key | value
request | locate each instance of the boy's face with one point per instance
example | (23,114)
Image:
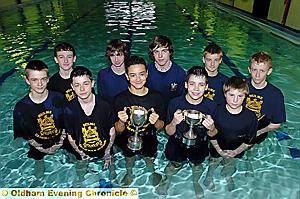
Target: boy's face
(37,80)
(82,85)
(196,87)
(117,58)
(259,72)
(235,98)
(137,76)
(212,62)
(65,60)
(161,55)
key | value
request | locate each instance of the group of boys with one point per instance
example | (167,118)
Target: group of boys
(237,112)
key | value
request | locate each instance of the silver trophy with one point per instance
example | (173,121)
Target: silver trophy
(191,117)
(138,117)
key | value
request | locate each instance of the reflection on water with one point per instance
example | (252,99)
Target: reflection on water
(130,18)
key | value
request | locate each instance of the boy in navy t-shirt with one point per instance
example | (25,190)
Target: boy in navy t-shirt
(177,150)
(264,99)
(236,129)
(165,76)
(38,117)
(111,80)
(138,95)
(65,57)
(212,58)
(88,122)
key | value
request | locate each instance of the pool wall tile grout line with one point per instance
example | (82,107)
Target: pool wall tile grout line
(44,46)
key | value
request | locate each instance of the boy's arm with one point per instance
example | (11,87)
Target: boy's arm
(75,147)
(177,118)
(217,147)
(107,159)
(268,128)
(243,147)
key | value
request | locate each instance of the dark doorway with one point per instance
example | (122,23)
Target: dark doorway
(261,8)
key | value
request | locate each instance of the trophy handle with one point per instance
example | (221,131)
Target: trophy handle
(201,115)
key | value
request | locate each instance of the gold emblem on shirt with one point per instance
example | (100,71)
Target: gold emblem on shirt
(210,93)
(254,103)
(70,94)
(91,139)
(47,126)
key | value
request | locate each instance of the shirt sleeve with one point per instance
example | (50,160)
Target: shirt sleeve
(19,125)
(279,115)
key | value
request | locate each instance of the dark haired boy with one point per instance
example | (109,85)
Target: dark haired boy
(38,117)
(236,130)
(64,56)
(212,58)
(165,76)
(176,151)
(111,80)
(139,95)
(88,121)
(264,99)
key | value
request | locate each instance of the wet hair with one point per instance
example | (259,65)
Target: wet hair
(261,57)
(160,41)
(238,83)
(133,60)
(36,65)
(81,71)
(213,48)
(116,45)
(198,71)
(64,46)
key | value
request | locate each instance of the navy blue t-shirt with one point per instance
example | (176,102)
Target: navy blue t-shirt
(42,122)
(110,84)
(170,83)
(61,85)
(207,107)
(234,129)
(91,133)
(215,88)
(267,104)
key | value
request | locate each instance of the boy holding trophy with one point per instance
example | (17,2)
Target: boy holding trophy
(189,122)
(140,113)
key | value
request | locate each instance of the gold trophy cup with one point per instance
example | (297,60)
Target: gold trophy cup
(138,117)
(191,117)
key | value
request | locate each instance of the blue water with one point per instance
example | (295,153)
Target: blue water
(32,30)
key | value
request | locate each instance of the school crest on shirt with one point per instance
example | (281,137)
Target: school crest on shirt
(91,139)
(254,103)
(47,126)
(70,94)
(173,86)
(210,93)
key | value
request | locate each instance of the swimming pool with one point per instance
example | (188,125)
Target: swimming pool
(33,29)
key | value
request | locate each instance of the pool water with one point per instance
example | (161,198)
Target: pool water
(32,30)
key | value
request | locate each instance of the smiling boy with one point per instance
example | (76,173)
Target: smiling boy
(176,151)
(138,94)
(65,57)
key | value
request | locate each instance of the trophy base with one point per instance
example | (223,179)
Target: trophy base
(188,142)
(134,144)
